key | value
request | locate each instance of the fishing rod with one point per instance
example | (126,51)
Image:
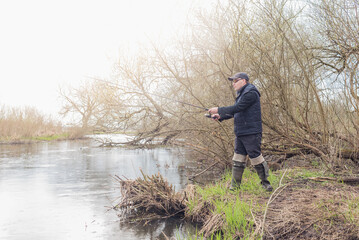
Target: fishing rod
(189,104)
(157,95)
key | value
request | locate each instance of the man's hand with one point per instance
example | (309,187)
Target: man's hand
(215,117)
(213,110)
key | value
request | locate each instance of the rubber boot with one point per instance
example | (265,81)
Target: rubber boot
(237,172)
(263,173)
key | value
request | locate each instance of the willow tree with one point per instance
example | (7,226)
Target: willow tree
(337,25)
(289,57)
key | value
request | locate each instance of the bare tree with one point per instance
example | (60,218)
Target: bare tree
(292,60)
(337,26)
(94,106)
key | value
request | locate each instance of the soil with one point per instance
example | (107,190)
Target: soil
(302,208)
(305,209)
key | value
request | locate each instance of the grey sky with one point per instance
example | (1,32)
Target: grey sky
(45,44)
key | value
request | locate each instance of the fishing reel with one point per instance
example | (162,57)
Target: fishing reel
(209,116)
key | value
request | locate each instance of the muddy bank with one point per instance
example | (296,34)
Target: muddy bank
(314,210)
(299,208)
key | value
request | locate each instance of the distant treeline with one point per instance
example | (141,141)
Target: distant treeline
(302,55)
(22,124)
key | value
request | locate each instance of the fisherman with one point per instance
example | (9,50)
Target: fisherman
(247,128)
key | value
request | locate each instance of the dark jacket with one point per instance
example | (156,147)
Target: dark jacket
(246,111)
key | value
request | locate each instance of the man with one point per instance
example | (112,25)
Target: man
(247,128)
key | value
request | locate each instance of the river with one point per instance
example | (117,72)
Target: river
(62,190)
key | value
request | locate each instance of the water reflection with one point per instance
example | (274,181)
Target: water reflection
(59,190)
(160,229)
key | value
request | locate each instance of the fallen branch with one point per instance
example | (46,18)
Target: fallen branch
(351,181)
(205,170)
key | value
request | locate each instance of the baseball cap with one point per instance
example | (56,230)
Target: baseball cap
(242,75)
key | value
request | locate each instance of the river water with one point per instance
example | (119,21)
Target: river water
(62,190)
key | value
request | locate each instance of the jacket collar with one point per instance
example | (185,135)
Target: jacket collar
(240,91)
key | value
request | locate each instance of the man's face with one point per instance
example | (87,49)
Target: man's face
(238,83)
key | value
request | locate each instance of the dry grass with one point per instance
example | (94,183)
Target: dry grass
(152,198)
(148,199)
(308,210)
(301,209)
(18,124)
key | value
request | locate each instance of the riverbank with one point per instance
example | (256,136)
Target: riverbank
(42,138)
(306,204)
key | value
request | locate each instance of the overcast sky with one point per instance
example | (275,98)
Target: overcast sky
(45,44)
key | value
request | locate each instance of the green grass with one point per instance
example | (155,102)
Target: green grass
(251,182)
(352,214)
(236,212)
(237,217)
(51,137)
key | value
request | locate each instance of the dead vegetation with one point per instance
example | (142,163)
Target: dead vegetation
(28,124)
(303,57)
(149,199)
(299,209)
(308,210)
(19,124)
(152,197)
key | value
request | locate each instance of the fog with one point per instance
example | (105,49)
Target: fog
(45,45)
